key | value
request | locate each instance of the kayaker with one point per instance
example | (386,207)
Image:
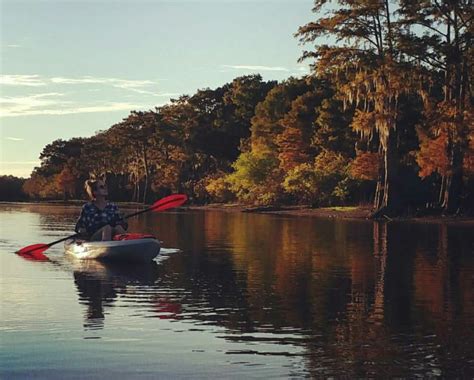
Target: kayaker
(99,219)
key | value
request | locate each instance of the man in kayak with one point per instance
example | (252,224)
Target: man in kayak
(100,219)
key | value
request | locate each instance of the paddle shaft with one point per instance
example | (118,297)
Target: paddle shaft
(139,212)
(63,239)
(154,207)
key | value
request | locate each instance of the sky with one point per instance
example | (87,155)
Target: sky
(71,68)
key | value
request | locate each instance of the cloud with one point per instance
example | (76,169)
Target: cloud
(22,80)
(83,80)
(24,105)
(300,71)
(20,162)
(52,104)
(67,101)
(13,138)
(169,94)
(138,86)
(126,84)
(255,68)
(106,107)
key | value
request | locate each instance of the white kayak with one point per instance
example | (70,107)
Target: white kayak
(121,250)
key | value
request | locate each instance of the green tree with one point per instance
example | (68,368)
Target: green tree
(243,95)
(332,128)
(255,179)
(266,124)
(324,182)
(11,188)
(55,155)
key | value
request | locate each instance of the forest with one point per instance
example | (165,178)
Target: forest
(384,118)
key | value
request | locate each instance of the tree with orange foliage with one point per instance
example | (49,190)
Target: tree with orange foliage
(66,181)
(294,142)
(365,166)
(437,36)
(368,73)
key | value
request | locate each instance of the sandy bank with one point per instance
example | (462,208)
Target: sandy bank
(359,213)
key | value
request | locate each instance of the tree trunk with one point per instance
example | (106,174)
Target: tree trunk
(454,182)
(136,188)
(387,195)
(379,188)
(456,83)
(134,192)
(442,190)
(391,198)
(147,174)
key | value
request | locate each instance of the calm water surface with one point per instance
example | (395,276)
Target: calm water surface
(240,295)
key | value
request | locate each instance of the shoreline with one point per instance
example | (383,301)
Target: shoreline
(360,213)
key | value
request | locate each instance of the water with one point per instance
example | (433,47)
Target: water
(238,295)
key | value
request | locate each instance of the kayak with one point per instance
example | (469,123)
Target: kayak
(138,250)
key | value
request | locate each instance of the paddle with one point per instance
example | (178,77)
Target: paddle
(35,251)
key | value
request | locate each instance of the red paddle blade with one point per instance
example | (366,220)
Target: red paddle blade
(34,252)
(168,202)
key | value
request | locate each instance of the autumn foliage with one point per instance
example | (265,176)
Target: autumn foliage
(432,157)
(365,166)
(386,113)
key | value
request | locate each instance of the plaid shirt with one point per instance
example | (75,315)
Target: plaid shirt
(93,219)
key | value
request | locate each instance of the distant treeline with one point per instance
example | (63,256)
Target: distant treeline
(384,118)
(11,188)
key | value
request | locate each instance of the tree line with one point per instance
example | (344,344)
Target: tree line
(385,117)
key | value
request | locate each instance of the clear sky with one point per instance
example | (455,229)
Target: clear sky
(71,68)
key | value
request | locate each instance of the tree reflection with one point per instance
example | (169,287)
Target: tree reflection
(355,298)
(346,290)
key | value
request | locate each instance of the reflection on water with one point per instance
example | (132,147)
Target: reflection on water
(100,283)
(262,296)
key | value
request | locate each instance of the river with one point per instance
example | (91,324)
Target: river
(239,295)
